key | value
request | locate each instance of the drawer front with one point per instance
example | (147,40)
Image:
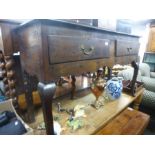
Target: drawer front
(64,49)
(76,68)
(126,48)
(126,59)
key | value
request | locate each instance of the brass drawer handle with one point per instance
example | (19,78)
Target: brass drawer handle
(88,51)
(129,49)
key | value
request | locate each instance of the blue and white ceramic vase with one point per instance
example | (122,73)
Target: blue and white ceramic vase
(114,88)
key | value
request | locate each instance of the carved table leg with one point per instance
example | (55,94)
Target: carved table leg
(46,93)
(73,86)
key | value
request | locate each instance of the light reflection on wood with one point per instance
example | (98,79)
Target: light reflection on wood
(82,82)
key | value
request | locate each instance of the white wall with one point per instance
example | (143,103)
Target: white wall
(141,29)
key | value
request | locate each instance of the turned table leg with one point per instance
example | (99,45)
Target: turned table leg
(46,93)
(137,102)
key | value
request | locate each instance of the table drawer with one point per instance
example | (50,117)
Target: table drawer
(126,48)
(64,49)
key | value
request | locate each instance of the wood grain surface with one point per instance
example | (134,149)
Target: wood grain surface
(95,119)
(129,122)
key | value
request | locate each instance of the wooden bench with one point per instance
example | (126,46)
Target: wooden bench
(129,122)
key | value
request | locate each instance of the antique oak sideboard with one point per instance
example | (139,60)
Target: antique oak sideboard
(54,48)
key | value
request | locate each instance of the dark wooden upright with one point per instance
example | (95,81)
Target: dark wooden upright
(8,42)
(51,49)
(47,93)
(8,46)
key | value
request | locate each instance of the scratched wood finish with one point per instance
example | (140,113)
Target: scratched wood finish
(96,119)
(129,122)
(34,47)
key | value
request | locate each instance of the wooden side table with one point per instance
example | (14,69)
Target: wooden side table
(96,120)
(129,122)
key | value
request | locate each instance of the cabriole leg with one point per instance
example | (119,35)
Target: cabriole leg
(46,93)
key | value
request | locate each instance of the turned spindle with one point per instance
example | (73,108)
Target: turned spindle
(4,73)
(11,83)
(9,64)
(10,74)
(2,65)
(7,93)
(13,92)
(6,87)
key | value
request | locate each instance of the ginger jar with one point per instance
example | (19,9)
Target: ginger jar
(114,88)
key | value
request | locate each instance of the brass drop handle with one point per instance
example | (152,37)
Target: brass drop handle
(88,51)
(129,49)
